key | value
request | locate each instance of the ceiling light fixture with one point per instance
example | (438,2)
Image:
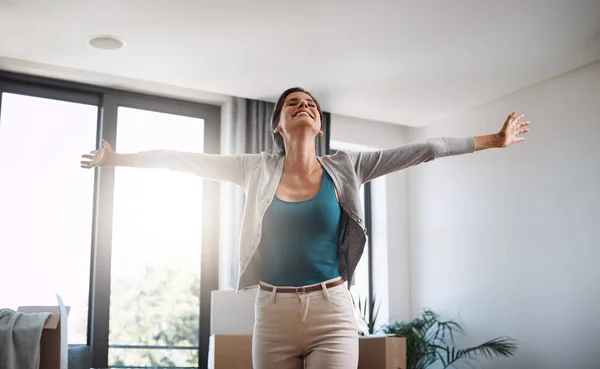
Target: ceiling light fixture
(106,42)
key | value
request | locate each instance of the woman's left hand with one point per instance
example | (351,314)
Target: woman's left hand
(512,129)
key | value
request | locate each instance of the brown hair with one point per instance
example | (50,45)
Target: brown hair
(278,138)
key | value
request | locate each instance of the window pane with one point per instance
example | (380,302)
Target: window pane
(157,233)
(46,205)
(361,275)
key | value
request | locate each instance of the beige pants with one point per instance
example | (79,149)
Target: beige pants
(313,330)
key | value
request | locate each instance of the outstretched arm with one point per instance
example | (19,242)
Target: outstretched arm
(370,165)
(229,168)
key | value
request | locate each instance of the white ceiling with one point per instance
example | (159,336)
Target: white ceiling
(405,62)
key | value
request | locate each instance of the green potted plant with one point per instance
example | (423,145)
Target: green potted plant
(368,312)
(430,340)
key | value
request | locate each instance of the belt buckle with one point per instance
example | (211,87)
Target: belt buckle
(300,289)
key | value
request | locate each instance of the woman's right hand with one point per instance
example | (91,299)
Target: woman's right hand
(99,158)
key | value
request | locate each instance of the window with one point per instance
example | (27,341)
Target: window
(156,247)
(46,204)
(128,249)
(361,289)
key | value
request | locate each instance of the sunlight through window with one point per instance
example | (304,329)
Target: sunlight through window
(46,205)
(156,247)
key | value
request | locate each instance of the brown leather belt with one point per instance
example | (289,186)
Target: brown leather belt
(316,287)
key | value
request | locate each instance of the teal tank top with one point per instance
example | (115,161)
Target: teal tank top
(299,244)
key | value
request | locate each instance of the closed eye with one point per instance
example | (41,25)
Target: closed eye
(295,101)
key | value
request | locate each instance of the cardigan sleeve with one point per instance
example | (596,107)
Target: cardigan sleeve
(372,164)
(224,168)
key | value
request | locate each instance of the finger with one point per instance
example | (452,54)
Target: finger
(85,162)
(85,156)
(517,118)
(93,152)
(521,131)
(519,139)
(510,117)
(523,124)
(106,144)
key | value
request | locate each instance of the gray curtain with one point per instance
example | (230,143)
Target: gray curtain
(259,137)
(323,141)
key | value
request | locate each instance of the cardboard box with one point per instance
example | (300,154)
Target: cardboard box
(231,326)
(231,312)
(230,351)
(54,349)
(382,352)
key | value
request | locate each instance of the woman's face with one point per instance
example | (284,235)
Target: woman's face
(299,113)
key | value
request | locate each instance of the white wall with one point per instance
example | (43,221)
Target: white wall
(510,238)
(391,275)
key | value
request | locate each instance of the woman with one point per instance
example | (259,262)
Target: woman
(302,232)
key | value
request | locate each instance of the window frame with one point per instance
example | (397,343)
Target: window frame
(108,101)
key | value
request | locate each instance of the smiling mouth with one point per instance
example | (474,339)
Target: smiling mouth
(302,113)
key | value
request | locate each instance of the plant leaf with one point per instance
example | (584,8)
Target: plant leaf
(501,346)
